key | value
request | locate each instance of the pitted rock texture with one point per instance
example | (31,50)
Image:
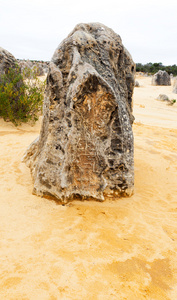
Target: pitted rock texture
(85,146)
(161,78)
(7,60)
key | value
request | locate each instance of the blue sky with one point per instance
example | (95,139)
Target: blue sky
(34,28)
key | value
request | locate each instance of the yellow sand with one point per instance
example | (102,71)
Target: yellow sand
(120,249)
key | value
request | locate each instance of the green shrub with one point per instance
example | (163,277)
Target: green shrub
(20,101)
(153,68)
(172,101)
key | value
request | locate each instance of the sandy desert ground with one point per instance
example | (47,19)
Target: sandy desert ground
(118,249)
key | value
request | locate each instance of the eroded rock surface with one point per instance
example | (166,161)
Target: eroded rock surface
(85,146)
(161,78)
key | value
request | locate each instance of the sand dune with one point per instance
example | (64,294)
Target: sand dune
(120,249)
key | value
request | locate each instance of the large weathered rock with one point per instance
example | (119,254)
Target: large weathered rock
(85,146)
(161,78)
(175,85)
(7,61)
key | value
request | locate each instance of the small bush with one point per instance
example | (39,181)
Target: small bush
(172,101)
(20,101)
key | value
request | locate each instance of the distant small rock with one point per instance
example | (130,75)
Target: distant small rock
(137,83)
(161,78)
(163,97)
(175,85)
